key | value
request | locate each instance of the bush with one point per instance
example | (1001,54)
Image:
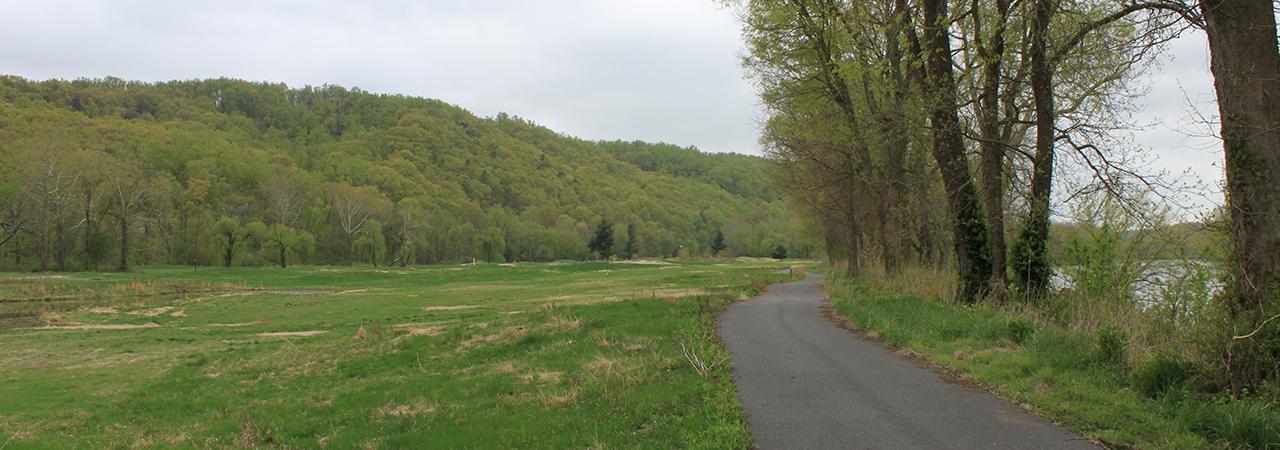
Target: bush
(1164,372)
(1111,347)
(1020,329)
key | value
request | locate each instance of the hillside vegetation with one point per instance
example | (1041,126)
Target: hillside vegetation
(227,172)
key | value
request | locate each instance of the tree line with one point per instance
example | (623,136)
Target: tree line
(98,174)
(935,132)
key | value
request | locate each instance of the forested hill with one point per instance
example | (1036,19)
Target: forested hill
(218,171)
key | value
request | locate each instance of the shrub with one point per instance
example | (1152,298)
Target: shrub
(1111,347)
(1164,372)
(1020,329)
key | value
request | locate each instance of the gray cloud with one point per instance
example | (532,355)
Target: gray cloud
(658,70)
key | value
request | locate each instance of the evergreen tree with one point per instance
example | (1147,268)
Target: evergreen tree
(717,244)
(629,250)
(602,240)
(780,252)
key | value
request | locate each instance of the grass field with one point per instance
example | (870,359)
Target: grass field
(547,355)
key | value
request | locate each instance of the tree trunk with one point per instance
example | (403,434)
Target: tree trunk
(970,228)
(90,229)
(1032,265)
(229,253)
(283,251)
(1246,66)
(991,53)
(124,242)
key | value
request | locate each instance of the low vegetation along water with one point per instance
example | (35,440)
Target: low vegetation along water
(530,355)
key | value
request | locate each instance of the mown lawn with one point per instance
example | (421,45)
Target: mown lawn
(1055,372)
(550,355)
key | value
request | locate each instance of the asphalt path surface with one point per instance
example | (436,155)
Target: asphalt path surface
(807,383)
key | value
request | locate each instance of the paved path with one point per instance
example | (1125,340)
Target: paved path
(806,383)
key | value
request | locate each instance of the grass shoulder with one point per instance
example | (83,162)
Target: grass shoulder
(1071,377)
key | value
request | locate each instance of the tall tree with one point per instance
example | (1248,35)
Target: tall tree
(969,228)
(1245,63)
(124,186)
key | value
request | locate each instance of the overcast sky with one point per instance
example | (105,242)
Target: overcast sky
(656,70)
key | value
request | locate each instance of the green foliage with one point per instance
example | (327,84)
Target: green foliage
(1098,266)
(1237,423)
(1029,260)
(629,250)
(601,244)
(1020,329)
(321,160)
(1164,372)
(1111,347)
(779,252)
(717,243)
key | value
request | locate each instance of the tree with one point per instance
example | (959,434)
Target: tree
(372,244)
(354,206)
(124,185)
(48,186)
(1245,63)
(780,252)
(629,250)
(969,227)
(226,234)
(492,245)
(282,241)
(717,243)
(601,243)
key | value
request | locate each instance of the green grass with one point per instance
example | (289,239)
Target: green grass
(536,355)
(1061,374)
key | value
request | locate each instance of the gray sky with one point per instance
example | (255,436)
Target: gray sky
(656,70)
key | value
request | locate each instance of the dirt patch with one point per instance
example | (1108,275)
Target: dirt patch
(448,308)
(416,408)
(506,367)
(411,329)
(602,364)
(352,291)
(100,310)
(163,310)
(293,333)
(505,333)
(296,292)
(104,326)
(232,325)
(645,262)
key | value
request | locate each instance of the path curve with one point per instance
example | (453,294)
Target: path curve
(806,383)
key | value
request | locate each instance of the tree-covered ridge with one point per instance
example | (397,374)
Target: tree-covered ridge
(232,172)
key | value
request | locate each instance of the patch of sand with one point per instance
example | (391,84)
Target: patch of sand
(293,333)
